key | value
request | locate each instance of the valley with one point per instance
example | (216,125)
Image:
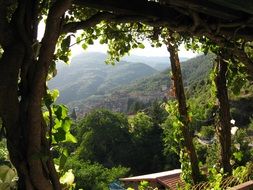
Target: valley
(88,83)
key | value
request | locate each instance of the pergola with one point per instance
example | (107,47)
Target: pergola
(230,18)
(224,22)
(25,62)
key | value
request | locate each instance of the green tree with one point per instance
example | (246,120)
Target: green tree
(157,112)
(104,138)
(140,124)
(94,176)
(241,151)
(148,145)
(107,138)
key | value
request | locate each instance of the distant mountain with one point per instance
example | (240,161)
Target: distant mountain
(158,63)
(193,70)
(157,86)
(88,75)
(88,83)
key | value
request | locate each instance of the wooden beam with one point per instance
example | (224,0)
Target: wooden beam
(157,14)
(140,7)
(179,15)
(244,186)
(206,8)
(244,6)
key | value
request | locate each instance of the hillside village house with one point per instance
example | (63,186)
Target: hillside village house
(162,180)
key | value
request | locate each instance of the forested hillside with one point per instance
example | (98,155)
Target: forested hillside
(89,75)
(140,93)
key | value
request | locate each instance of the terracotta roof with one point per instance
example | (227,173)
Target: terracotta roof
(171,181)
(168,179)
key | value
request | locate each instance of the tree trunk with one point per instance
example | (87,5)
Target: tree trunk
(224,125)
(182,108)
(20,110)
(22,87)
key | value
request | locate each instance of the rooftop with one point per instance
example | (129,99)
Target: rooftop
(153,176)
(169,179)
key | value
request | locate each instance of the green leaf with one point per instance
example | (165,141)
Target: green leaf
(102,41)
(70,138)
(65,43)
(63,158)
(158,45)
(68,178)
(141,46)
(46,116)
(64,58)
(238,155)
(51,97)
(7,174)
(58,124)
(134,45)
(78,40)
(238,83)
(90,42)
(60,111)
(84,46)
(175,124)
(52,72)
(66,124)
(60,135)
(54,94)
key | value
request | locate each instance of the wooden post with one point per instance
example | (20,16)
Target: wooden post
(182,108)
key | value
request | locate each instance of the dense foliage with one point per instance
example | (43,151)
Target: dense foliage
(112,145)
(110,140)
(36,129)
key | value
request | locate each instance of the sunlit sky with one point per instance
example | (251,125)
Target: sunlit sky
(147,51)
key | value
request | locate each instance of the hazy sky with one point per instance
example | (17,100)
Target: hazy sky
(147,51)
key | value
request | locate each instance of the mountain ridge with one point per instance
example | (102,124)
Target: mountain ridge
(126,86)
(88,75)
